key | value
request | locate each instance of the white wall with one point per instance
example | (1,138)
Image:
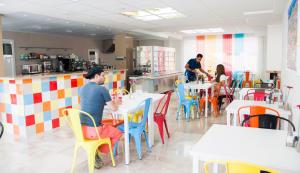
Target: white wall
(274,48)
(189,50)
(290,77)
(177,44)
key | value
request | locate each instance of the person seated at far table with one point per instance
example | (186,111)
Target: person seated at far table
(192,67)
(221,79)
(93,98)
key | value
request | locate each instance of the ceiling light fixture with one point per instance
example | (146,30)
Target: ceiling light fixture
(248,13)
(1,4)
(92,34)
(69,31)
(203,31)
(153,14)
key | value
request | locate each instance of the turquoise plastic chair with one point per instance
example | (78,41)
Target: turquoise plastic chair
(137,129)
(186,103)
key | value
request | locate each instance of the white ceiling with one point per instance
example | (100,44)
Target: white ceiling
(102,17)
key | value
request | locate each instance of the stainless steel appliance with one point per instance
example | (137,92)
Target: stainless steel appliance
(31,69)
(9,58)
(47,66)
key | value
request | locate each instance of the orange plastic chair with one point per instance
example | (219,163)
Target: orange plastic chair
(255,110)
(238,167)
(213,100)
(90,146)
(247,83)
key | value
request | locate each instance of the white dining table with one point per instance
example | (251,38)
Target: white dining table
(129,105)
(263,147)
(243,92)
(200,86)
(232,109)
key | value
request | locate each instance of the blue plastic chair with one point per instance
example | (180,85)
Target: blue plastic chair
(186,103)
(137,129)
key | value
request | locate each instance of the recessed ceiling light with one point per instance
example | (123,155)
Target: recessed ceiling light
(25,15)
(247,13)
(75,0)
(67,22)
(153,14)
(216,29)
(1,4)
(203,31)
(69,31)
(92,34)
(148,18)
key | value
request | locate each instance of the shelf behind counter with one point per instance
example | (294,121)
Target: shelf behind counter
(32,104)
(159,83)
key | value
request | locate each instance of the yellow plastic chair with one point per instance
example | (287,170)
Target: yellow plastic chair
(90,146)
(238,167)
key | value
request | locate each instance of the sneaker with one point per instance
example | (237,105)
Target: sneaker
(98,162)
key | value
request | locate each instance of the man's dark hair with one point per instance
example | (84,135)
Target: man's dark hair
(93,71)
(199,55)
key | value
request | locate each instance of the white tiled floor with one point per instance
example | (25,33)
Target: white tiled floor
(53,151)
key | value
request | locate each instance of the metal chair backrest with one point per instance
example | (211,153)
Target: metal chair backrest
(1,129)
(268,121)
(257,96)
(163,104)
(146,103)
(255,110)
(73,119)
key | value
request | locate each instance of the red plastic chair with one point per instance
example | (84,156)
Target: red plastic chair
(160,116)
(257,96)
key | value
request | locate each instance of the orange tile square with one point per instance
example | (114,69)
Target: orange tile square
(61,94)
(67,76)
(79,82)
(1,81)
(46,106)
(118,77)
(78,99)
(19,89)
(16,130)
(39,128)
(60,110)
(2,107)
(27,81)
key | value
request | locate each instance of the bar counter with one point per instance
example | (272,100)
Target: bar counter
(32,104)
(159,83)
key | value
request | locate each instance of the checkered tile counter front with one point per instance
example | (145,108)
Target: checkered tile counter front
(30,106)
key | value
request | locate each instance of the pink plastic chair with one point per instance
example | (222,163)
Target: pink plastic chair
(160,114)
(257,96)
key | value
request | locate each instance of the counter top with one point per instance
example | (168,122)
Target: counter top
(46,75)
(155,76)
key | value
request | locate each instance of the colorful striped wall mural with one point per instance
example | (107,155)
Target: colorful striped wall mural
(227,49)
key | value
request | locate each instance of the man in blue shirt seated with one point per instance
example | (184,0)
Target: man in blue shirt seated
(191,67)
(93,97)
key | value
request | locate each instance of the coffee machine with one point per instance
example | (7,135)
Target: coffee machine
(47,66)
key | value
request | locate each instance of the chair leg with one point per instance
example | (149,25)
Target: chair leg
(166,126)
(74,158)
(115,150)
(91,159)
(178,110)
(187,114)
(138,144)
(147,141)
(111,155)
(161,129)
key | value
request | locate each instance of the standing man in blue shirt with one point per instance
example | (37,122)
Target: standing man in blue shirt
(191,67)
